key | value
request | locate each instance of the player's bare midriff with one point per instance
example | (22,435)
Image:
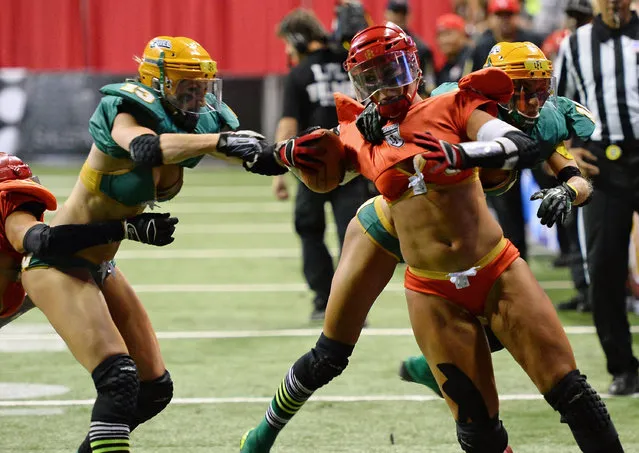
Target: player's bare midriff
(448,229)
(83,206)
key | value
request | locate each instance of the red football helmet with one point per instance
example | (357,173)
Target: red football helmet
(383,66)
(12,167)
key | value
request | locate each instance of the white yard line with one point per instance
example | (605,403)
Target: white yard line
(7,334)
(230,253)
(241,228)
(281,287)
(198,191)
(265,400)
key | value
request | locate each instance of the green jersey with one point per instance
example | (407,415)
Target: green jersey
(136,186)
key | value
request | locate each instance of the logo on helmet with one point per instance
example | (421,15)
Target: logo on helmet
(163,43)
(391,135)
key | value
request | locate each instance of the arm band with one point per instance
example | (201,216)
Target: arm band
(43,240)
(145,150)
(513,151)
(494,129)
(568,172)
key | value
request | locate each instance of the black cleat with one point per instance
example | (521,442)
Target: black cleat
(318,314)
(624,384)
(578,303)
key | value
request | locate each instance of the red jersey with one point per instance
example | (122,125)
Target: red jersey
(14,193)
(445,116)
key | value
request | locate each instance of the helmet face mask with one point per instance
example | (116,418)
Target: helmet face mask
(189,95)
(383,67)
(385,73)
(531,73)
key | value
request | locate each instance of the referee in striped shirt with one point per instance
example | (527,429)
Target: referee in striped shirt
(598,65)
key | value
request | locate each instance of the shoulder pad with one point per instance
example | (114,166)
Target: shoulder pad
(579,120)
(551,126)
(228,116)
(445,87)
(492,83)
(32,188)
(138,94)
(347,108)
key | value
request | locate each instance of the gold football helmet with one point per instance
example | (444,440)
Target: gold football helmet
(532,77)
(182,71)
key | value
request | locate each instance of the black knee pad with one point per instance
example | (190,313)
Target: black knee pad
(153,397)
(321,364)
(116,380)
(585,413)
(486,437)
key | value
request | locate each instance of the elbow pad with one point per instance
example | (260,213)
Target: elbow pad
(36,239)
(146,151)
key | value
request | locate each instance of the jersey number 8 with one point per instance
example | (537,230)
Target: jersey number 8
(140,92)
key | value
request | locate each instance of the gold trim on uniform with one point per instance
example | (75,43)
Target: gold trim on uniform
(563,151)
(439,275)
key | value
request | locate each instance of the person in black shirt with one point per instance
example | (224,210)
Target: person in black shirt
(308,101)
(397,12)
(453,42)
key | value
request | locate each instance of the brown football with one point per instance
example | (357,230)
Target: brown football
(329,150)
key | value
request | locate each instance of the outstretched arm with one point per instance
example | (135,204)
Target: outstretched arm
(28,235)
(498,145)
(149,149)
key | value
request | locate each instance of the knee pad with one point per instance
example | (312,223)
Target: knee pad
(585,413)
(486,437)
(153,397)
(321,364)
(116,380)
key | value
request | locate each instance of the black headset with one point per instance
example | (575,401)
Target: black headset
(299,42)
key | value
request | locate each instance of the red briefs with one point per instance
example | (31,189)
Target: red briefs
(469,288)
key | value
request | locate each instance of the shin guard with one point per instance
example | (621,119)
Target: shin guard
(153,397)
(117,383)
(585,413)
(313,370)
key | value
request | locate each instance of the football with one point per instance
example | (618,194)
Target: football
(327,155)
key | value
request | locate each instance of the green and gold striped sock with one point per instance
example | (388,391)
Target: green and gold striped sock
(109,437)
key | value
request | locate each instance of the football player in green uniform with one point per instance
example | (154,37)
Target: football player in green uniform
(145,132)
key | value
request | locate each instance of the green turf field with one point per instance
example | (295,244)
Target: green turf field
(231,310)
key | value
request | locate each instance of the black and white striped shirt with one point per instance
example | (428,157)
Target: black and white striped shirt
(599,67)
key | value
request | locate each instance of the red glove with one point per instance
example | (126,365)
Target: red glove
(310,151)
(441,152)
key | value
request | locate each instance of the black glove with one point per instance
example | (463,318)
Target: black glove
(257,155)
(151,228)
(556,203)
(369,124)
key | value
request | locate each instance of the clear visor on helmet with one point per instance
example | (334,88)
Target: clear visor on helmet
(392,70)
(197,96)
(530,95)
